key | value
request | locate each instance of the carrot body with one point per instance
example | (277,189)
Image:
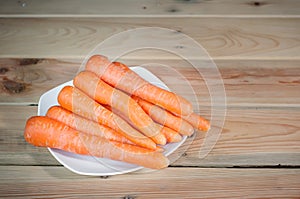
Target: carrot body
(84,125)
(103,93)
(166,118)
(46,132)
(170,134)
(120,76)
(197,122)
(76,101)
(158,138)
(167,133)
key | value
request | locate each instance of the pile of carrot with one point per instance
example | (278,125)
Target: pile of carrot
(111,112)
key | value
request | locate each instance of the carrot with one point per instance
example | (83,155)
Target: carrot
(170,134)
(103,93)
(46,132)
(197,122)
(84,125)
(120,76)
(135,148)
(165,118)
(158,138)
(88,126)
(76,101)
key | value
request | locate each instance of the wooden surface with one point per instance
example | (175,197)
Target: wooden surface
(173,182)
(256,47)
(149,8)
(223,38)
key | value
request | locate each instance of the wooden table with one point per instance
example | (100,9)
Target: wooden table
(256,46)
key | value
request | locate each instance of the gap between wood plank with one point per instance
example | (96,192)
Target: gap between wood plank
(246,106)
(178,166)
(143,16)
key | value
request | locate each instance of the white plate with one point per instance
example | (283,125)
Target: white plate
(88,165)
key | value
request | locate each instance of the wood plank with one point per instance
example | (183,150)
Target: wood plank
(247,83)
(25,80)
(255,136)
(250,137)
(14,149)
(76,8)
(20,182)
(223,38)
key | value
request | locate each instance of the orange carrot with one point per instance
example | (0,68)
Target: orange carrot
(46,132)
(135,148)
(120,76)
(76,101)
(103,93)
(158,138)
(165,118)
(84,125)
(170,134)
(88,126)
(197,122)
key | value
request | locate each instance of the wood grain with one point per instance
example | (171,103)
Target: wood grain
(250,137)
(247,83)
(20,182)
(132,8)
(255,45)
(14,149)
(25,80)
(223,38)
